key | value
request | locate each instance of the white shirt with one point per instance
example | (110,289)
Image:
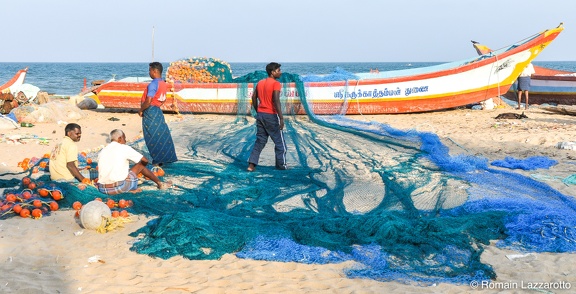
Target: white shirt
(528,71)
(113,162)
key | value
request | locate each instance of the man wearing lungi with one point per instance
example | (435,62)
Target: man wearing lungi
(156,133)
(524,84)
(114,172)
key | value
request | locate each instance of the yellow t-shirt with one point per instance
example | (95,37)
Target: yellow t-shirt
(65,152)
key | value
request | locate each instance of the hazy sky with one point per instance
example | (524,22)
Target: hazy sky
(283,31)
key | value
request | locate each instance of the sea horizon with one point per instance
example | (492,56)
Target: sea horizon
(68,78)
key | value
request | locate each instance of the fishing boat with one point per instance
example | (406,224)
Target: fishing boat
(547,85)
(411,90)
(16,81)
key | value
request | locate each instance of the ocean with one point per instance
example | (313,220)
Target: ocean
(68,78)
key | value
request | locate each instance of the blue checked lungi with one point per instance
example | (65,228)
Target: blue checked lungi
(131,183)
(157,136)
(524,84)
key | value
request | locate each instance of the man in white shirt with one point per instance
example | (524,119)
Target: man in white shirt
(524,84)
(114,173)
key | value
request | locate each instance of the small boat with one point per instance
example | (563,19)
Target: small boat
(410,90)
(547,85)
(16,81)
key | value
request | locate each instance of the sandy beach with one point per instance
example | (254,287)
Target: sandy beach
(46,256)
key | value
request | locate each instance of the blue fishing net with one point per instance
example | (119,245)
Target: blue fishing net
(394,202)
(530,163)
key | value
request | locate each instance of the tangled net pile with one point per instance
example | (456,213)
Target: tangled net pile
(395,202)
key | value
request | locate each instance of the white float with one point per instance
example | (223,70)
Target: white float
(94,214)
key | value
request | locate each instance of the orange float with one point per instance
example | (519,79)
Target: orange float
(37,203)
(17,208)
(111,203)
(25,212)
(11,197)
(53,206)
(26,195)
(77,205)
(122,203)
(43,192)
(36,213)
(57,195)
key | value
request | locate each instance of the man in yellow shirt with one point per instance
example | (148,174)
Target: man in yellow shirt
(64,158)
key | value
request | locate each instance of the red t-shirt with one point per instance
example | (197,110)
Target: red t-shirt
(157,90)
(265,89)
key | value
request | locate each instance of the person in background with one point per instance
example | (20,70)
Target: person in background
(524,84)
(63,163)
(269,119)
(156,133)
(115,174)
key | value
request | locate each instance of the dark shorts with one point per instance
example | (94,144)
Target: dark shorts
(523,83)
(129,184)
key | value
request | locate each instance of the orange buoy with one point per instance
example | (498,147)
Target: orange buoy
(25,212)
(36,213)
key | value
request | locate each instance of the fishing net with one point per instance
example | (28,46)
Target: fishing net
(48,112)
(394,202)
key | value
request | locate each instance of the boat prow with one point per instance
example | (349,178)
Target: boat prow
(16,81)
(547,85)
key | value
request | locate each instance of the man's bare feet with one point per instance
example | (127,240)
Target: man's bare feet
(165,185)
(137,190)
(251,167)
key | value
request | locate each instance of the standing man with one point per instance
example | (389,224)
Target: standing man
(156,133)
(115,174)
(63,162)
(269,119)
(524,84)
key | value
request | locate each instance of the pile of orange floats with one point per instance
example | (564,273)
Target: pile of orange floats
(32,201)
(199,70)
(34,163)
(40,164)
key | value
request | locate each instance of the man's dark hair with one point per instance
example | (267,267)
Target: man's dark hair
(272,66)
(156,65)
(70,127)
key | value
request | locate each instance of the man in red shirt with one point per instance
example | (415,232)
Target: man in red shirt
(269,120)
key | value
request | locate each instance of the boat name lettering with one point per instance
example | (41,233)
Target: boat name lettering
(367,94)
(413,90)
(285,93)
(291,93)
(502,66)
